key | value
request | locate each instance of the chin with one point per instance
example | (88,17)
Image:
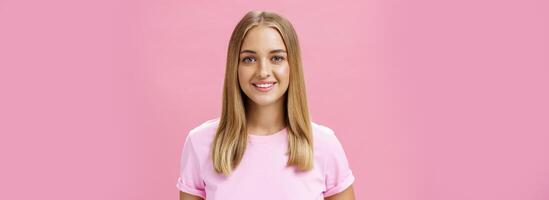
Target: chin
(262,101)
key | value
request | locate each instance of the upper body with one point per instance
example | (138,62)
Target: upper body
(264,145)
(262,173)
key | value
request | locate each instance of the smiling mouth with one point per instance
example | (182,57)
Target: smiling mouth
(264,87)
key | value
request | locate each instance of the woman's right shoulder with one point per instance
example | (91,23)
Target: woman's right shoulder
(204,133)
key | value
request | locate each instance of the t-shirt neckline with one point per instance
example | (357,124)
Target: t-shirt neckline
(278,136)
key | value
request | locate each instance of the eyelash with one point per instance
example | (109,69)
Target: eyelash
(279,59)
(244,59)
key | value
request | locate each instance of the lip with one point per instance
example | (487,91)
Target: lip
(264,82)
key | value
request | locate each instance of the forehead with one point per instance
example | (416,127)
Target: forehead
(262,39)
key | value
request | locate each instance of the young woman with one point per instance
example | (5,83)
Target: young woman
(264,146)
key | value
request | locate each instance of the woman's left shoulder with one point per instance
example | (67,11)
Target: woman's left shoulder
(324,137)
(329,153)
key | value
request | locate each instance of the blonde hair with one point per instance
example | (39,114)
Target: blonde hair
(231,136)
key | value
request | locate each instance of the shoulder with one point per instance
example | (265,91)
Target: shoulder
(204,128)
(324,138)
(329,153)
(322,129)
(322,133)
(202,135)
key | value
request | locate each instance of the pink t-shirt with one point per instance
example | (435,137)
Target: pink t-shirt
(262,173)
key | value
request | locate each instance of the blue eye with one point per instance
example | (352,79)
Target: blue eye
(277,58)
(248,59)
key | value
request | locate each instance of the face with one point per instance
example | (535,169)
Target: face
(263,70)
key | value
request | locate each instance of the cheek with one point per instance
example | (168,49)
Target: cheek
(243,75)
(283,73)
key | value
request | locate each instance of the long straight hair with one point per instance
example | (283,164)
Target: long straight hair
(231,136)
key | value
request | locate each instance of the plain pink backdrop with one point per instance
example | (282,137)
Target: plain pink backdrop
(431,99)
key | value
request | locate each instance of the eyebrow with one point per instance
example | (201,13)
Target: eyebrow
(272,51)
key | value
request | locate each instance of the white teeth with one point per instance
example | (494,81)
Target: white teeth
(266,85)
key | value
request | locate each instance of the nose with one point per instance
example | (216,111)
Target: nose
(264,69)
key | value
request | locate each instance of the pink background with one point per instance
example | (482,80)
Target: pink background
(431,99)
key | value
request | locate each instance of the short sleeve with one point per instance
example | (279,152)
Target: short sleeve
(190,179)
(338,174)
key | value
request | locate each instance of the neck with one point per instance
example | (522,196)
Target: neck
(265,119)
